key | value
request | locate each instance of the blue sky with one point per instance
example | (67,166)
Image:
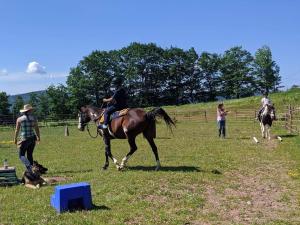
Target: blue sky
(54,35)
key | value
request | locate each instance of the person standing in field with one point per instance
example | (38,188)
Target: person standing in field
(27,126)
(221,120)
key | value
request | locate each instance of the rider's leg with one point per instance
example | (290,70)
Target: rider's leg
(259,112)
(108,111)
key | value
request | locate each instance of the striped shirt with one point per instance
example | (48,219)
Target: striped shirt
(27,126)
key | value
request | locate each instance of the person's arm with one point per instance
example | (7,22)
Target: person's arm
(37,131)
(108,99)
(18,125)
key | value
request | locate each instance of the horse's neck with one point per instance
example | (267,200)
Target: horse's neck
(95,114)
(265,111)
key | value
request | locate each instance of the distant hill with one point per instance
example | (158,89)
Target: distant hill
(25,96)
(280,99)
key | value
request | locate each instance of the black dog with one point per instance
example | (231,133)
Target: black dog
(41,168)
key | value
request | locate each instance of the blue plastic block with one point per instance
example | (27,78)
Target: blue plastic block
(72,197)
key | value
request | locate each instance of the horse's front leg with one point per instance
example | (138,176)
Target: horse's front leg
(106,159)
(262,127)
(108,153)
(269,132)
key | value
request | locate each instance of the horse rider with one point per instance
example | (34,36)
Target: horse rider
(117,102)
(29,134)
(265,101)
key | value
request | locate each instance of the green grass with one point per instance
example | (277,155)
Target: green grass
(258,184)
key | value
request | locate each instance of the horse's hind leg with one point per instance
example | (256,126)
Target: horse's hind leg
(154,149)
(133,148)
(108,154)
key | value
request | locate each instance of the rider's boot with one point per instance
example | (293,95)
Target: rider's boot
(102,126)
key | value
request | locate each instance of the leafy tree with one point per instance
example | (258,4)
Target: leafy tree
(33,100)
(43,108)
(156,76)
(79,88)
(58,101)
(266,70)
(236,73)
(209,65)
(142,64)
(99,70)
(192,77)
(4,104)
(19,104)
(178,78)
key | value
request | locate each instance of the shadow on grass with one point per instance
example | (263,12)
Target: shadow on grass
(288,135)
(69,171)
(162,138)
(174,169)
(100,207)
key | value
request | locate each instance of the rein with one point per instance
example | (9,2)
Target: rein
(87,128)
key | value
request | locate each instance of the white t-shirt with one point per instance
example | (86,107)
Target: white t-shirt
(265,101)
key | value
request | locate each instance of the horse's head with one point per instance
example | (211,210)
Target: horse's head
(83,118)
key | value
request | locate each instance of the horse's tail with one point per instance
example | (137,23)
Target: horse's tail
(159,112)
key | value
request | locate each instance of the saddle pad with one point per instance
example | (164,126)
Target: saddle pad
(115,115)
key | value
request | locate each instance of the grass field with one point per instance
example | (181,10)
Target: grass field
(203,180)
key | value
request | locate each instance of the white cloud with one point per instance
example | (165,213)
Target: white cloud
(35,67)
(3,72)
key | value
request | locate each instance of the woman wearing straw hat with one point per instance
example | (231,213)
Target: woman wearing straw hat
(29,134)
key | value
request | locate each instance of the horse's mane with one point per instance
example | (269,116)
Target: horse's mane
(93,107)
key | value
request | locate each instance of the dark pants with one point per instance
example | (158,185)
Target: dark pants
(27,147)
(108,111)
(221,127)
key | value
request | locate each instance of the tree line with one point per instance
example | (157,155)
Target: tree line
(155,76)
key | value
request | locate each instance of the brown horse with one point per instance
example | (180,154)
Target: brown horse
(136,121)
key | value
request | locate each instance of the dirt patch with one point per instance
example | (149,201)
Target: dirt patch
(255,198)
(270,144)
(54,180)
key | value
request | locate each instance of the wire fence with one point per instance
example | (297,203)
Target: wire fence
(288,117)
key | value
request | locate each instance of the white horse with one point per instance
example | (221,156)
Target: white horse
(266,118)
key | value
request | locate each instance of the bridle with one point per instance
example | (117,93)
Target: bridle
(87,127)
(95,119)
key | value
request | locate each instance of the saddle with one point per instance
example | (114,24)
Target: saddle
(115,115)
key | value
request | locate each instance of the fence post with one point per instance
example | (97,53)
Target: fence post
(66,131)
(254,116)
(205,116)
(290,118)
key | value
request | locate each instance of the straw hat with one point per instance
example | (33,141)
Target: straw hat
(26,108)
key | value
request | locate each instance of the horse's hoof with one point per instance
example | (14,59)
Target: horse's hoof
(119,168)
(105,167)
(157,168)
